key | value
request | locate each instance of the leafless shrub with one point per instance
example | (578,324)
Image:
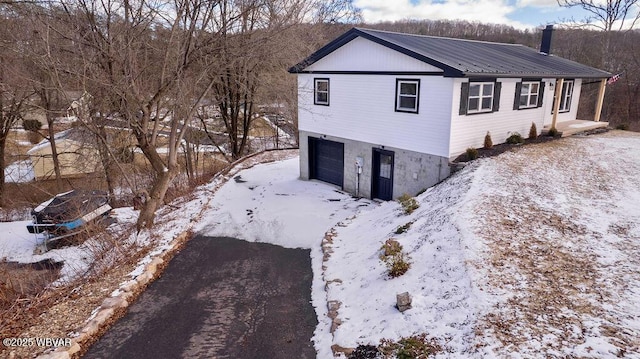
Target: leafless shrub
(417,346)
(396,260)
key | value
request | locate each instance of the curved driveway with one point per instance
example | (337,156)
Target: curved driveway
(221,298)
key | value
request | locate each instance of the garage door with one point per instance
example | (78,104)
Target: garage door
(326,160)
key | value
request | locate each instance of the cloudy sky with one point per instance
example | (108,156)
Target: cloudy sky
(517,13)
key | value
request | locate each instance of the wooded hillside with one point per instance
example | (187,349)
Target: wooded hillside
(171,72)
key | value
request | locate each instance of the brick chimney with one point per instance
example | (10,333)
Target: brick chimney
(545,45)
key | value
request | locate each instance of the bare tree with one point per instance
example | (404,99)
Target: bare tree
(14,101)
(608,15)
(152,64)
(14,93)
(255,43)
(141,58)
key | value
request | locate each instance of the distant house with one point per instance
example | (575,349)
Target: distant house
(76,153)
(383,113)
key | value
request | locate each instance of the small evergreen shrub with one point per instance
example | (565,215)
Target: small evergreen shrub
(409,204)
(515,139)
(533,131)
(472,153)
(488,142)
(553,132)
(404,228)
(414,347)
(395,259)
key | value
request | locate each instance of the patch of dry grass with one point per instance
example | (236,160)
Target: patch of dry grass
(545,254)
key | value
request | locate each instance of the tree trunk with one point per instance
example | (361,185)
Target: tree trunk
(189,159)
(54,151)
(3,141)
(107,163)
(155,199)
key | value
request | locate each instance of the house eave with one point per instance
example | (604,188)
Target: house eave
(535,75)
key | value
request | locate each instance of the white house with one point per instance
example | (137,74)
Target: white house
(383,113)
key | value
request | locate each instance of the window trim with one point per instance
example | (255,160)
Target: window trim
(481,96)
(536,104)
(399,82)
(316,81)
(565,97)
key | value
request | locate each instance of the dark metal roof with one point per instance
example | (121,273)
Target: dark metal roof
(465,58)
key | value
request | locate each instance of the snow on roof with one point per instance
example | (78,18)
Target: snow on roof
(19,172)
(72,134)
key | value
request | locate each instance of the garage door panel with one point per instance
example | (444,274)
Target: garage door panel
(326,159)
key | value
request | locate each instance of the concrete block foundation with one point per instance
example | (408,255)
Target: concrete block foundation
(412,171)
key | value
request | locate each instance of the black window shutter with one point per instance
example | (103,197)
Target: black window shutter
(464,98)
(516,100)
(496,96)
(541,94)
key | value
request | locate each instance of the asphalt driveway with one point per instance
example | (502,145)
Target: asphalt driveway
(221,298)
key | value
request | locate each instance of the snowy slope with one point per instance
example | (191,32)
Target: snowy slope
(533,253)
(444,302)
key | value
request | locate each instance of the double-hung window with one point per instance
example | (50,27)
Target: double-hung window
(321,92)
(529,94)
(407,95)
(480,97)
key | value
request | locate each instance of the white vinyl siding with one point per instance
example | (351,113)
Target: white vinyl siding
(364,55)
(469,131)
(362,109)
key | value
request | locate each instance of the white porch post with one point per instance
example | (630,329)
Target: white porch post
(556,104)
(603,86)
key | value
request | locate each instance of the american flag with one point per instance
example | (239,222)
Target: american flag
(614,78)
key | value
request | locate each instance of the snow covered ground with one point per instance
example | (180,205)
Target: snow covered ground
(19,172)
(533,253)
(268,203)
(18,245)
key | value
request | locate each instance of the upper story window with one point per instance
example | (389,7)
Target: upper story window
(321,92)
(479,97)
(529,94)
(407,95)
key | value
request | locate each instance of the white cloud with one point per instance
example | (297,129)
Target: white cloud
(486,11)
(539,3)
